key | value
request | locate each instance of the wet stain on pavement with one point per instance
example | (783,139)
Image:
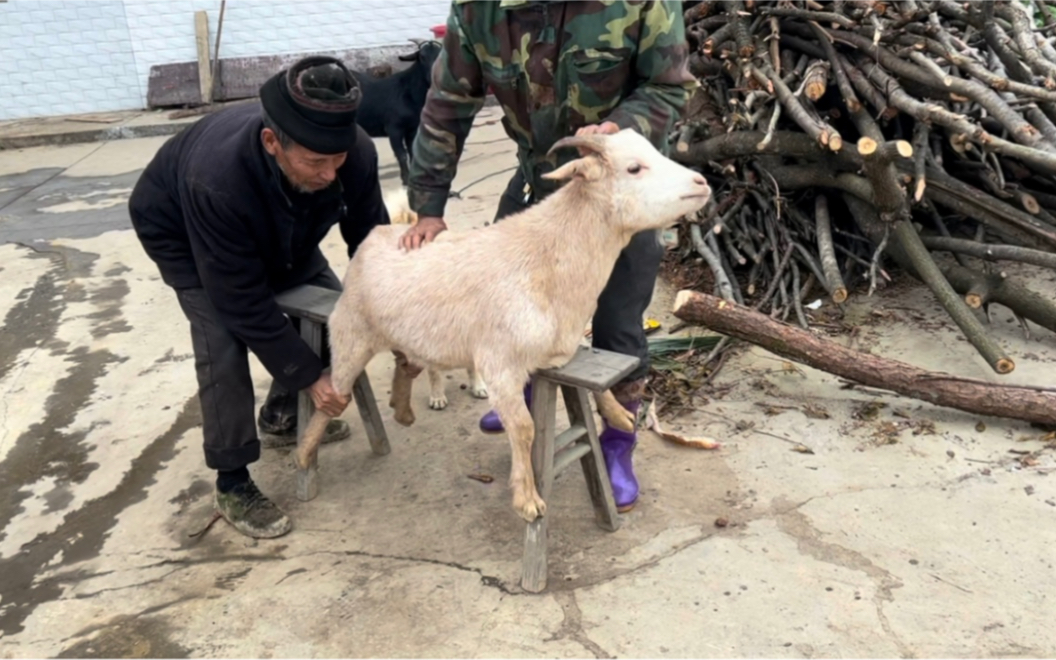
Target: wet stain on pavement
(64,207)
(16,186)
(83,532)
(198,489)
(139,637)
(47,449)
(108,320)
(119,269)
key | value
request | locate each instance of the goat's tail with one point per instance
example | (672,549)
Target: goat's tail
(313,437)
(399,207)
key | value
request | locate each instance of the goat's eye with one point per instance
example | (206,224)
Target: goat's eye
(635,168)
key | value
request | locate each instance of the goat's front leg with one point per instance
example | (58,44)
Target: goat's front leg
(402,382)
(508,399)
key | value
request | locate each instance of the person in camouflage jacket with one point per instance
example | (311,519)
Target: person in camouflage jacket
(558,69)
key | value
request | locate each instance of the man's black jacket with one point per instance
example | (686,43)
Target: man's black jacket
(212,210)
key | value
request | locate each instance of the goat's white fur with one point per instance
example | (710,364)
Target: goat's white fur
(400,213)
(527,286)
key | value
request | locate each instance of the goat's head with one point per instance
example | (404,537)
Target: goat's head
(424,57)
(646,189)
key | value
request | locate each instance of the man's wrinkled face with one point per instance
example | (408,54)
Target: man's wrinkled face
(307,171)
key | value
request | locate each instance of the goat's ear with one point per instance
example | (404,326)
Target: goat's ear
(408,58)
(588,169)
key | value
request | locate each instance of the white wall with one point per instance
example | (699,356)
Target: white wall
(77,56)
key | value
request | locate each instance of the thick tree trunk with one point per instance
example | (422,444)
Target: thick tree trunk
(973,396)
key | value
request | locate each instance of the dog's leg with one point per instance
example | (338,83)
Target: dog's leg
(437,398)
(508,398)
(477,388)
(402,381)
(612,412)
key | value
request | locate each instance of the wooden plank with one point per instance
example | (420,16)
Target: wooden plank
(308,302)
(201,42)
(565,457)
(238,78)
(371,416)
(593,463)
(568,436)
(544,414)
(593,368)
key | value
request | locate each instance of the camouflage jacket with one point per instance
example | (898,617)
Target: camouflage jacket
(554,67)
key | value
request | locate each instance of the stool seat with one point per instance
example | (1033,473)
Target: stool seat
(590,369)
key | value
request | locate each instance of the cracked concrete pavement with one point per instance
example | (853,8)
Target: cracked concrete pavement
(909,531)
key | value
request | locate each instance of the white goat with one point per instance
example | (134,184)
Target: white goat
(400,213)
(527,286)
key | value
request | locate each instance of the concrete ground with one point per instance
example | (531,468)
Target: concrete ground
(908,531)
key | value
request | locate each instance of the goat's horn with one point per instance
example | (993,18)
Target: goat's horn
(416,41)
(589,142)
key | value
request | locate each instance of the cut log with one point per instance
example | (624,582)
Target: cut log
(973,396)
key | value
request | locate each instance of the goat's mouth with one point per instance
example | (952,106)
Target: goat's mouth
(697,196)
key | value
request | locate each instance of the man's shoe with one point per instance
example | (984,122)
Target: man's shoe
(490,422)
(617,447)
(251,513)
(335,430)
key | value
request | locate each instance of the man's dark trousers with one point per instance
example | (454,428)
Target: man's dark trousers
(225,387)
(617,324)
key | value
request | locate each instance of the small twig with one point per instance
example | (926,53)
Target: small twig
(216,516)
(874,264)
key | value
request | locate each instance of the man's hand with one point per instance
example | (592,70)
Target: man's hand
(425,230)
(326,398)
(605,128)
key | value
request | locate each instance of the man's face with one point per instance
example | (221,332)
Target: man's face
(307,171)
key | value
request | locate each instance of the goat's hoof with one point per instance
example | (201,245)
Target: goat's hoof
(438,402)
(478,392)
(529,507)
(404,417)
(616,415)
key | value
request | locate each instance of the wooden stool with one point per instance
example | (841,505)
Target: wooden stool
(313,305)
(590,369)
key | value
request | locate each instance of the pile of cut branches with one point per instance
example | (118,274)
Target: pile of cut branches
(843,137)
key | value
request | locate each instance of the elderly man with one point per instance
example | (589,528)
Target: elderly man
(232,211)
(557,69)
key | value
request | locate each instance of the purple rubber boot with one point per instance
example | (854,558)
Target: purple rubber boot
(490,422)
(617,447)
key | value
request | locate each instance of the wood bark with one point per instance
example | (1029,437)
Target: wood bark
(805,347)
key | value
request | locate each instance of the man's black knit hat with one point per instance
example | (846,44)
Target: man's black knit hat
(315,103)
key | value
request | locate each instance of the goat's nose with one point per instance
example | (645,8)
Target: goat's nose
(700,180)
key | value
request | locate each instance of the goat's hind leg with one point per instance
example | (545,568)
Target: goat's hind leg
(507,395)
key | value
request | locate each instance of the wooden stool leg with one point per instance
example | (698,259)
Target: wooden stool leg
(368,412)
(308,478)
(593,463)
(544,416)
